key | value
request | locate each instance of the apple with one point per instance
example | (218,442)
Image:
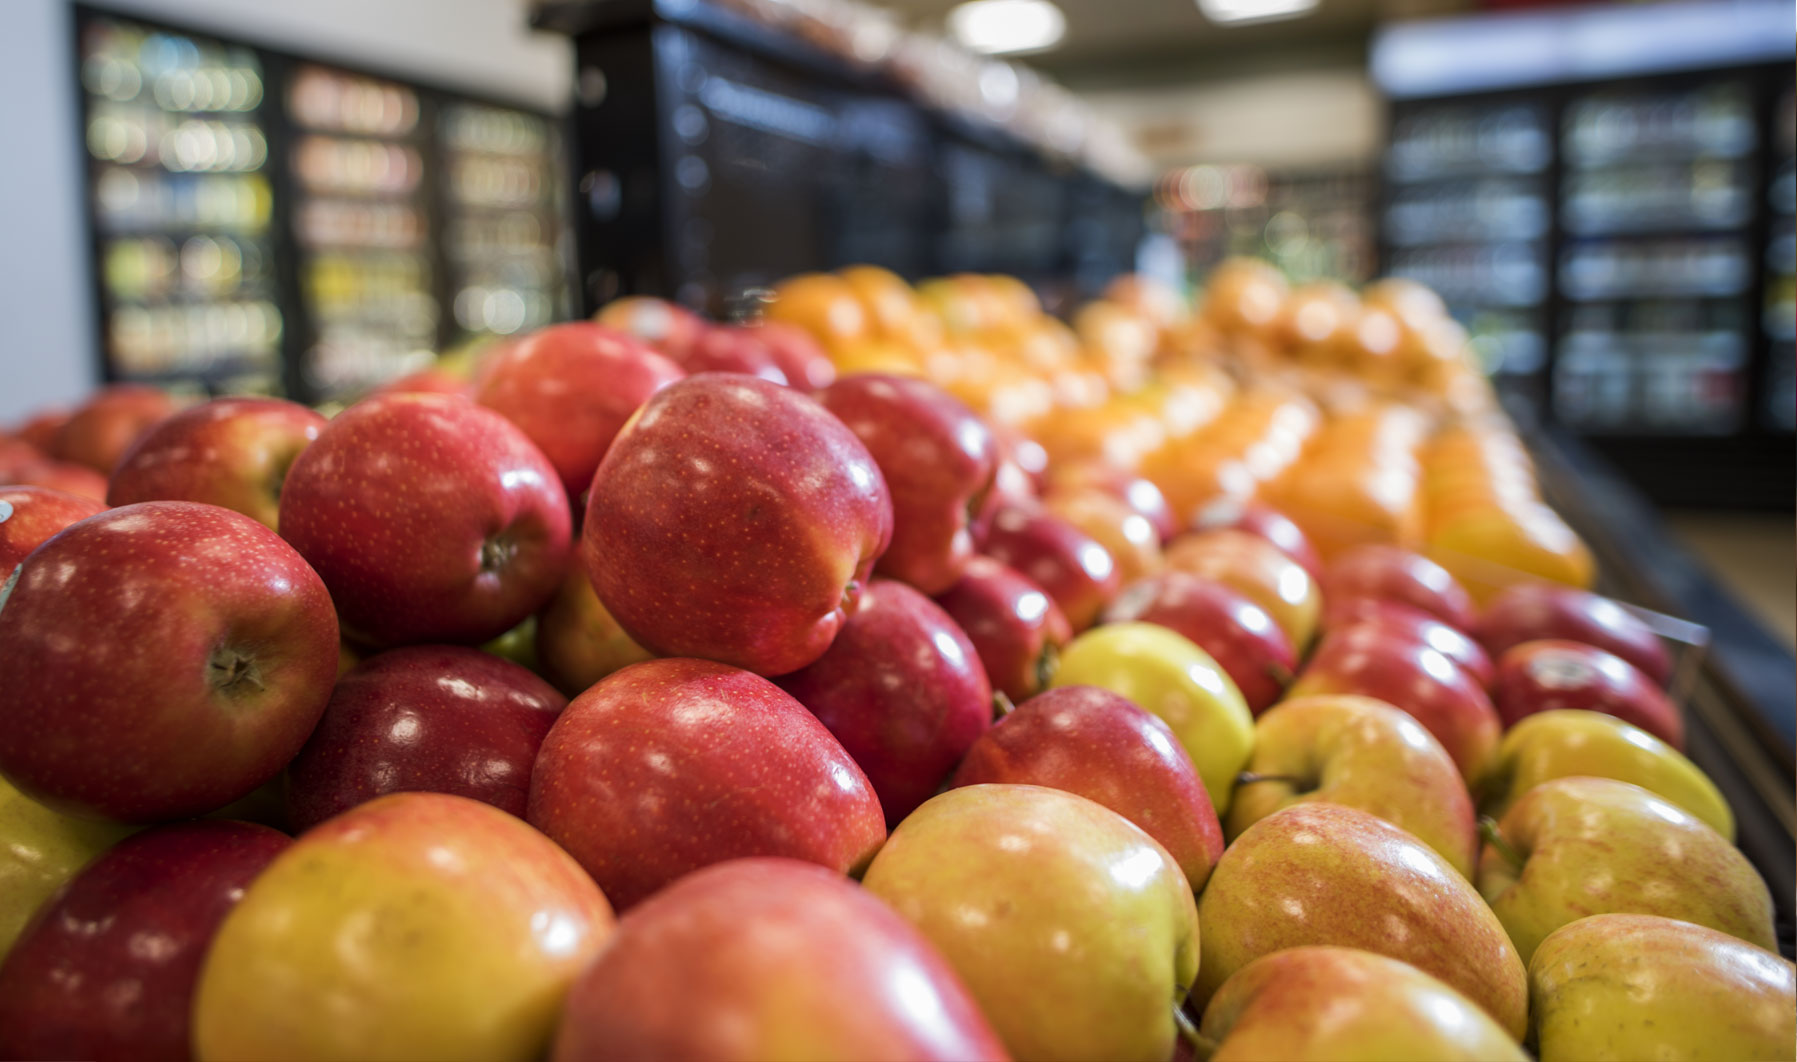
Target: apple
(672,765)
(1532,612)
(1237,633)
(938,461)
(431,718)
(1255,568)
(759,959)
(1128,536)
(1416,679)
(1229,512)
(1072,928)
(107,969)
(78,480)
(419,925)
(1069,564)
(669,327)
(1014,626)
(1095,744)
(1395,619)
(1392,574)
(430,518)
(727,348)
(30,515)
(1310,1004)
(570,387)
(1327,874)
(1360,753)
(40,428)
(1141,495)
(577,640)
(1544,676)
(17,455)
(39,850)
(1169,676)
(432,380)
(1618,987)
(101,430)
(162,659)
(903,690)
(230,452)
(795,353)
(1568,742)
(1573,847)
(735,520)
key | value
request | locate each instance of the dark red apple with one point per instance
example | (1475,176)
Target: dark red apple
(1013,624)
(1076,571)
(161,660)
(1098,745)
(106,969)
(1238,634)
(63,476)
(1233,513)
(672,765)
(735,520)
(937,459)
(1392,574)
(230,452)
(570,387)
(795,353)
(1141,495)
(1396,619)
(426,718)
(770,958)
(1531,612)
(1548,675)
(99,433)
(727,348)
(903,690)
(30,515)
(430,518)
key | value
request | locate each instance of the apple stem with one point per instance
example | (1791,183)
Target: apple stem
(1202,1046)
(1001,705)
(1283,676)
(1045,666)
(1488,829)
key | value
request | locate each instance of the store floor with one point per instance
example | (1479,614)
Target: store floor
(1754,556)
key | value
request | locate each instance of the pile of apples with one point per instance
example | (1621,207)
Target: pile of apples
(669,689)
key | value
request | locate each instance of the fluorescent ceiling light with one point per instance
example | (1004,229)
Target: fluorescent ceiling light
(1241,11)
(1007,27)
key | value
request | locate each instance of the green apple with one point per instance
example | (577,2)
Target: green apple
(1626,986)
(1582,846)
(1365,754)
(1073,929)
(39,850)
(1323,1004)
(1170,676)
(1327,874)
(1567,742)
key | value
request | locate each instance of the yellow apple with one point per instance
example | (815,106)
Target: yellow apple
(39,850)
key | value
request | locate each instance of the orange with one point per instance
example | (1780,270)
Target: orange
(1488,550)
(826,306)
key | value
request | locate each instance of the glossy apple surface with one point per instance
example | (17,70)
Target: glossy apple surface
(1584,846)
(795,354)
(39,850)
(1010,878)
(1257,570)
(1398,620)
(735,520)
(672,765)
(1126,535)
(1327,874)
(230,452)
(759,959)
(107,969)
(30,515)
(1546,676)
(727,348)
(163,659)
(419,925)
(1016,628)
(1230,513)
(668,327)
(99,432)
(1532,612)
(1388,573)
(1075,570)
(1237,633)
(1142,496)
(577,640)
(430,518)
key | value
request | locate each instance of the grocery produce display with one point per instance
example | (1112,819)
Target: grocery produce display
(905,673)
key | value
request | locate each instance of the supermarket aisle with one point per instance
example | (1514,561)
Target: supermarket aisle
(1755,556)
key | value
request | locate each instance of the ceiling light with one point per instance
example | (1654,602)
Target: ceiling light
(1007,27)
(1241,11)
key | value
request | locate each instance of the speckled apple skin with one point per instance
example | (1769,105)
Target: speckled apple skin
(30,515)
(1599,846)
(1069,564)
(759,959)
(735,520)
(1327,874)
(570,387)
(938,460)
(105,643)
(903,690)
(1548,675)
(393,505)
(671,765)
(1013,624)
(230,452)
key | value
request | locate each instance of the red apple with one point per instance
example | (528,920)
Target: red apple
(1012,483)
(1230,513)
(63,476)
(40,428)
(1139,494)
(426,718)
(1398,620)
(727,348)
(1531,612)
(430,518)
(937,459)
(230,452)
(672,765)
(735,520)
(770,958)
(30,515)
(1238,634)
(107,968)
(16,455)
(903,690)
(425,381)
(1076,571)
(1014,626)
(1392,574)
(161,660)
(99,433)
(795,353)
(1548,675)
(570,387)
(668,327)
(1096,744)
